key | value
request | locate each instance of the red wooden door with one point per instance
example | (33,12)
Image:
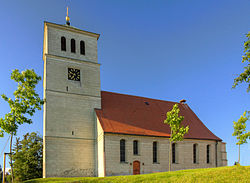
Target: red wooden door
(136,167)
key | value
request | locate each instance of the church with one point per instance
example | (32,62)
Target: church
(89,132)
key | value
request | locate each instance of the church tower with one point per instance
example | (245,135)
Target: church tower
(72,92)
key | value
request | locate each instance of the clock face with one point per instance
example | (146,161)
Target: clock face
(73,74)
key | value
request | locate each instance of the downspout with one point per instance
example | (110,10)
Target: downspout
(216,161)
(104,156)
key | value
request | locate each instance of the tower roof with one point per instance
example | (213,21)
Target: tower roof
(72,29)
(133,115)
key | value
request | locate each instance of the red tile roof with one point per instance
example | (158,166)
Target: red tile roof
(126,114)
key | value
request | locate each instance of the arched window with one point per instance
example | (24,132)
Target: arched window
(208,153)
(122,150)
(154,152)
(135,147)
(82,47)
(195,153)
(73,46)
(63,43)
(174,153)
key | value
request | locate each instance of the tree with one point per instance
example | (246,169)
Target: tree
(240,125)
(8,177)
(177,131)
(245,76)
(25,102)
(240,130)
(1,173)
(28,157)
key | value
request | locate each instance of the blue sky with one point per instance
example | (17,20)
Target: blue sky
(169,50)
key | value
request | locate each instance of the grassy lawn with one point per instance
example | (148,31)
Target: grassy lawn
(221,174)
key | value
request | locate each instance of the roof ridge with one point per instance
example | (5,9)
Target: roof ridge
(141,97)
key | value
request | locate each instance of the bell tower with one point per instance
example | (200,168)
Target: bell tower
(72,91)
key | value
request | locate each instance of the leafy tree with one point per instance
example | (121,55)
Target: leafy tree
(245,76)
(27,157)
(8,177)
(25,102)
(177,131)
(240,125)
(1,173)
(240,130)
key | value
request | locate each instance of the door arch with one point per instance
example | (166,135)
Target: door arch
(136,167)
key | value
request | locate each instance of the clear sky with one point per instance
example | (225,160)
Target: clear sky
(165,49)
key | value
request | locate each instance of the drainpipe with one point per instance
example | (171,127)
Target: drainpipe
(216,162)
(104,155)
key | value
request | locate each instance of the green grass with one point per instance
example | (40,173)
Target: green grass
(213,175)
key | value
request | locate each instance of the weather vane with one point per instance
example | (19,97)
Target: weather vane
(67,17)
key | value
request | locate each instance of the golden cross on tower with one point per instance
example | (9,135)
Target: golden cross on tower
(67,17)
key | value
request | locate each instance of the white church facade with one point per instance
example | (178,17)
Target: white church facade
(89,132)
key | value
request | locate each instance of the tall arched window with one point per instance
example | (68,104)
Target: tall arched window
(174,153)
(154,152)
(122,150)
(82,47)
(195,154)
(63,43)
(135,147)
(208,153)
(73,46)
